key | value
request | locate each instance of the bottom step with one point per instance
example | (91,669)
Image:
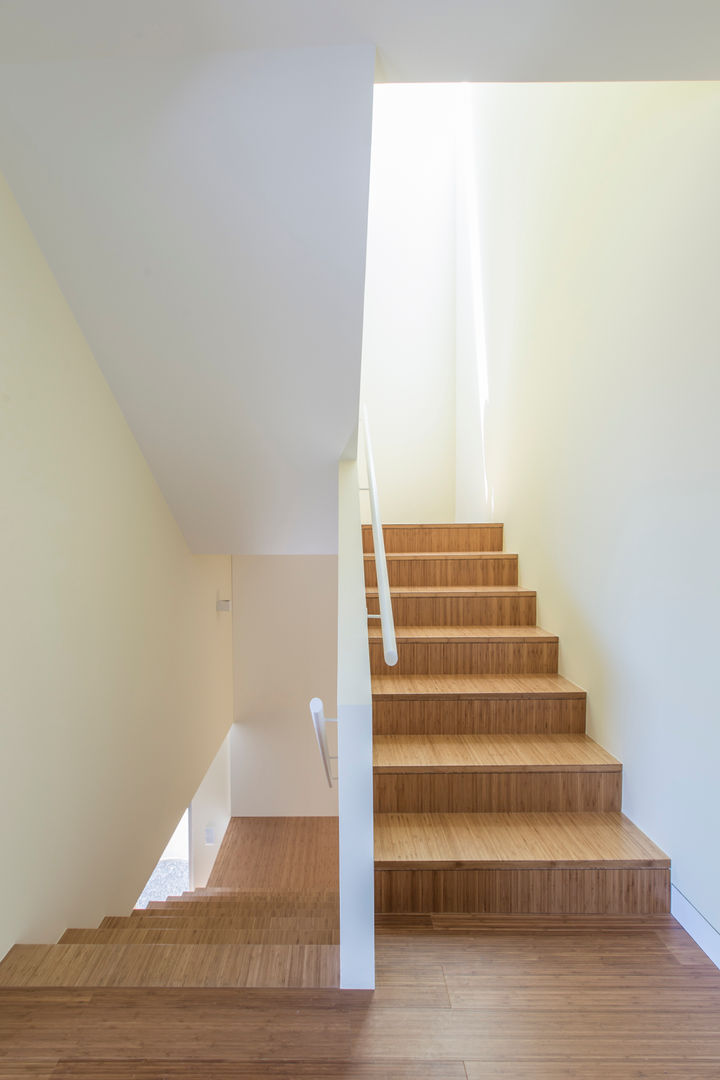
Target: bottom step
(517,864)
(171,965)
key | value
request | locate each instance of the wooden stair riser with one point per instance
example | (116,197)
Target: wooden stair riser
(497,792)
(460,610)
(473,716)
(494,569)
(153,936)
(632,891)
(467,658)
(423,538)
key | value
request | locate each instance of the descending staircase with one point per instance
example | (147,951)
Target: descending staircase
(489,796)
(211,937)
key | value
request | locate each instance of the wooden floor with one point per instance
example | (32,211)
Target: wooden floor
(524,998)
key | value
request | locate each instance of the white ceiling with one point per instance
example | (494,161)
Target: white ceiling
(206,219)
(196,172)
(417,40)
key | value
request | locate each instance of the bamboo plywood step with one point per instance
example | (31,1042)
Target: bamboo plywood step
(486,773)
(142,935)
(473,605)
(499,841)
(488,796)
(170,965)
(235,908)
(490,753)
(446,568)
(447,537)
(458,704)
(193,922)
(565,863)
(467,650)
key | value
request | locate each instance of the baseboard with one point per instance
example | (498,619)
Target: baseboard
(697,926)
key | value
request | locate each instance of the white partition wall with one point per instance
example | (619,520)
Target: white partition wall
(355,795)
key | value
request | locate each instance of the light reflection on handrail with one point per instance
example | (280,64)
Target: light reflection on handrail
(387,621)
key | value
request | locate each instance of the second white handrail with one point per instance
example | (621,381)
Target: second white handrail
(387,621)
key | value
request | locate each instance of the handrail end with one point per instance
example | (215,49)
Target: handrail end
(391,657)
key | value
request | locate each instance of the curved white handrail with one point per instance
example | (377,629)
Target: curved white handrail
(387,621)
(318,715)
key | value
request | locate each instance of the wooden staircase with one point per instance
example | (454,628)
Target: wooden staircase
(489,796)
(275,925)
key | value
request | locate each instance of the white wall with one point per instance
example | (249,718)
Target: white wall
(601,265)
(408,359)
(354,734)
(206,218)
(474,497)
(115,667)
(209,816)
(285,653)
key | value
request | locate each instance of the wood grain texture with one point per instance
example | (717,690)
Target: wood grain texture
(606,998)
(488,841)
(449,537)
(158,920)
(494,773)
(171,965)
(145,935)
(590,889)
(479,605)
(531,687)
(457,568)
(274,933)
(467,656)
(472,753)
(278,853)
(497,792)
(430,715)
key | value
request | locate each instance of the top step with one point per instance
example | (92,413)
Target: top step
(426,538)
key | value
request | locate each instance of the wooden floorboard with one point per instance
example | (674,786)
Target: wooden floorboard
(596,1000)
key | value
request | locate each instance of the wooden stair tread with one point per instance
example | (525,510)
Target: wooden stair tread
(212,922)
(169,935)
(454,590)
(230,907)
(171,965)
(473,686)
(442,634)
(438,525)
(395,556)
(490,753)
(512,840)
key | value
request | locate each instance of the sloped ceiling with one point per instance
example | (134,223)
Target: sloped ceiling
(196,172)
(206,220)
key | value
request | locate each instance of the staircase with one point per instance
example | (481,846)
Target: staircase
(490,799)
(283,935)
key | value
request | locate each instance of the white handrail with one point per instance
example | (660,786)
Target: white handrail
(386,615)
(318,715)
